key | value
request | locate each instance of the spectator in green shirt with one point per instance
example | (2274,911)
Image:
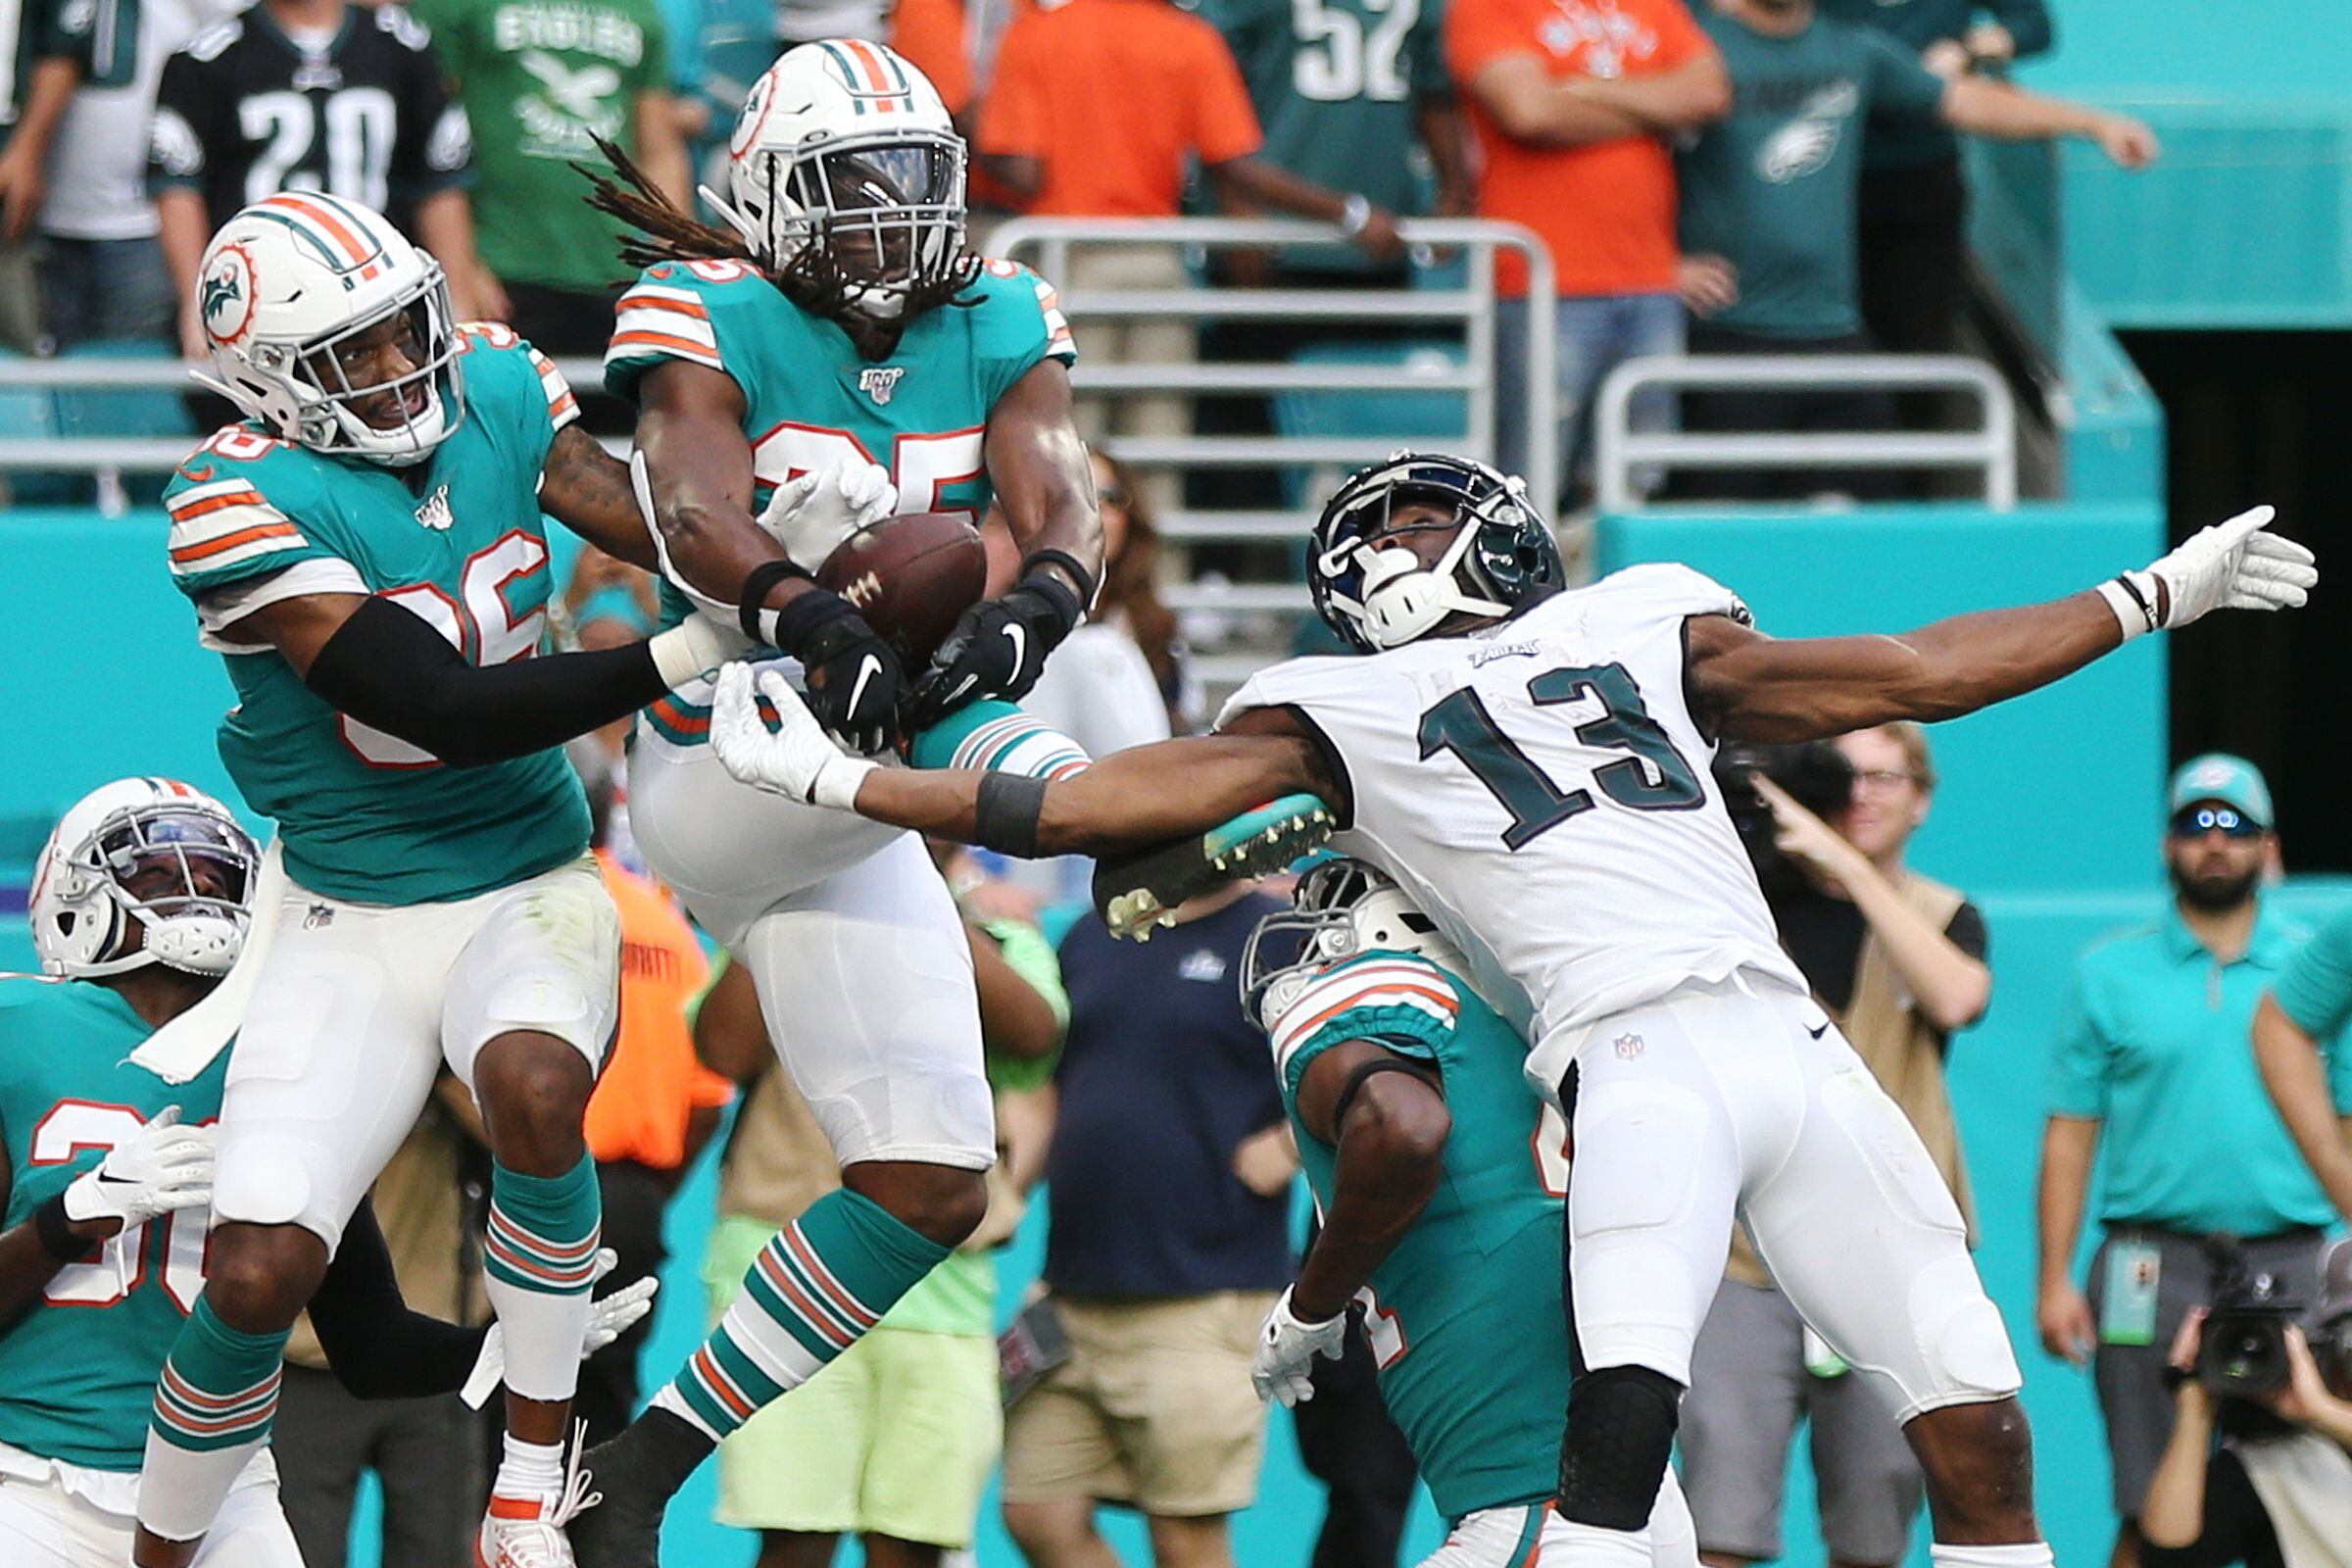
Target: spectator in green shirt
(538,79)
(2152,1060)
(1914,202)
(2304,1065)
(1770,197)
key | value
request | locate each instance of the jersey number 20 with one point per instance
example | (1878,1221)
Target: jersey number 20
(1462,726)
(75,1127)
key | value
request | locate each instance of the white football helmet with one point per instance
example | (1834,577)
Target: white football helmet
(140,856)
(844,148)
(1341,907)
(285,287)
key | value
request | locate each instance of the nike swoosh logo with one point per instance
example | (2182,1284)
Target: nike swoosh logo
(866,671)
(1823,1030)
(1020,637)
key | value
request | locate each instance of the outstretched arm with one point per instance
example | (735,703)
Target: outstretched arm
(1753,687)
(1134,799)
(1749,686)
(380,662)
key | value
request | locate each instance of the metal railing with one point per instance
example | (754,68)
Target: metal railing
(1621,451)
(1050,243)
(108,458)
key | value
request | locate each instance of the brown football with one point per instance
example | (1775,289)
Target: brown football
(910,576)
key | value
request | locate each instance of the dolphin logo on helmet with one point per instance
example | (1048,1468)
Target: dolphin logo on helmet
(290,280)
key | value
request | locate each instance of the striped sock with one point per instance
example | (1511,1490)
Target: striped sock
(998,737)
(818,1286)
(213,1408)
(539,1258)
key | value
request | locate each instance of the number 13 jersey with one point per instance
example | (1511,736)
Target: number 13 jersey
(1542,791)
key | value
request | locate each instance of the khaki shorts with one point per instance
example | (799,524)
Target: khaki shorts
(1152,1408)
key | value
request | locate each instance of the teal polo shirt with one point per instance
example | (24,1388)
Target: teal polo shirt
(2157,1044)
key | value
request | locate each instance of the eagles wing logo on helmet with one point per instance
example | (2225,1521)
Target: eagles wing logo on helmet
(227,297)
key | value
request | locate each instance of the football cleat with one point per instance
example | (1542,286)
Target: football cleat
(1139,894)
(528,1531)
(635,1476)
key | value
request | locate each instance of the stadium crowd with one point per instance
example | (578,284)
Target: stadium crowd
(1750,177)
(1753,176)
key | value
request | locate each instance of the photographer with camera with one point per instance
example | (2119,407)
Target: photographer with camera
(1899,961)
(2153,1057)
(2276,1488)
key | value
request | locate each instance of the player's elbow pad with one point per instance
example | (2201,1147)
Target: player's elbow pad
(387,668)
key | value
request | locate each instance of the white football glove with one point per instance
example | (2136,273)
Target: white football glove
(811,516)
(1286,1348)
(608,1320)
(797,759)
(2237,565)
(160,1168)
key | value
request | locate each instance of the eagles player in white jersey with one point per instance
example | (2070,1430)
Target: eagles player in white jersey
(1531,763)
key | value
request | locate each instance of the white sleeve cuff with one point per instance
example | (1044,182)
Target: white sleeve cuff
(223,608)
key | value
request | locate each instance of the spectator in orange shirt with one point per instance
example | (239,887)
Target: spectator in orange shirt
(931,34)
(653,1110)
(1572,103)
(1094,110)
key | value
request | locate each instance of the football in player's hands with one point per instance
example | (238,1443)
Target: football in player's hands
(910,578)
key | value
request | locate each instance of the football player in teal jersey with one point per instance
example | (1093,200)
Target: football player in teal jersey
(139,907)
(367,553)
(839,317)
(1441,1183)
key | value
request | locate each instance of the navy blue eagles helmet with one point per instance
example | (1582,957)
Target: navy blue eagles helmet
(1380,596)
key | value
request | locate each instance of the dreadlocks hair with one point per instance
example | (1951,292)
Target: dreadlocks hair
(812,279)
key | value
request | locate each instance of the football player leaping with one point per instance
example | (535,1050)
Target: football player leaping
(839,317)
(1440,1185)
(139,907)
(1532,765)
(366,552)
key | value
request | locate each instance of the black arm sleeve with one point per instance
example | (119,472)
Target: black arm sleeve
(386,668)
(379,1348)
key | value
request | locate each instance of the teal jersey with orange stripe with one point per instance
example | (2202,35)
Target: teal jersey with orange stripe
(78,1372)
(459,540)
(811,400)
(1466,1317)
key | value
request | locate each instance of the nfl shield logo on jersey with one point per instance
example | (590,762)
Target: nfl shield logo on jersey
(433,511)
(1628,1046)
(880,381)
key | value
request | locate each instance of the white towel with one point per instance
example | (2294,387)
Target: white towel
(2305,1484)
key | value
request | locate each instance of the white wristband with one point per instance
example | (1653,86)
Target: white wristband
(686,653)
(2133,598)
(836,783)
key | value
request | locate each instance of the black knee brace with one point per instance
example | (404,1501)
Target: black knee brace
(1621,1422)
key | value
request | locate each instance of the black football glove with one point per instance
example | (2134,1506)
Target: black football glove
(853,676)
(998,649)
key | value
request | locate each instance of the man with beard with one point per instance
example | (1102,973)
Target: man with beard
(2154,1052)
